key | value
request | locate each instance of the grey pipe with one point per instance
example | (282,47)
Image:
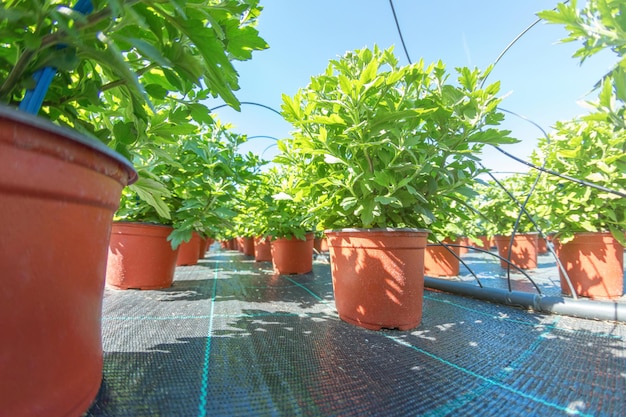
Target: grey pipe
(582,308)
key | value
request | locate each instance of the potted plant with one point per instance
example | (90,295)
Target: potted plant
(514,231)
(254,198)
(201,173)
(289,222)
(384,146)
(589,222)
(589,211)
(114,57)
(206,178)
(442,255)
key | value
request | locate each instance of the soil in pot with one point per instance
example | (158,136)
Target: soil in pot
(378,276)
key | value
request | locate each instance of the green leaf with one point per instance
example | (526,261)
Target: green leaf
(156,91)
(369,73)
(388,201)
(152,192)
(148,50)
(114,58)
(200,113)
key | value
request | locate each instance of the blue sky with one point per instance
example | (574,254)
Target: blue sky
(544,81)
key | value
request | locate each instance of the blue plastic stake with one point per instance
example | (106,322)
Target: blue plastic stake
(43,77)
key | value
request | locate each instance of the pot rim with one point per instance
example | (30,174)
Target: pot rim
(516,234)
(381,229)
(10,113)
(137,223)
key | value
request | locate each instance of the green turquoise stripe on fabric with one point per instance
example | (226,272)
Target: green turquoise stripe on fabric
(204,388)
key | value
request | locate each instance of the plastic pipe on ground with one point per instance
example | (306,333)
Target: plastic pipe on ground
(582,308)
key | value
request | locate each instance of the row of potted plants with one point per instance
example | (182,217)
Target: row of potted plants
(120,79)
(197,175)
(371,139)
(591,150)
(383,157)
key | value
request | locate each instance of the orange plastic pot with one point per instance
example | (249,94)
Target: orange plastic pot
(465,244)
(442,262)
(262,249)
(202,247)
(239,244)
(485,243)
(140,257)
(320,244)
(524,252)
(594,263)
(542,246)
(378,276)
(292,255)
(248,246)
(188,251)
(58,193)
(209,241)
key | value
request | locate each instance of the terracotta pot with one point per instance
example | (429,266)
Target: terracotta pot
(202,247)
(188,251)
(239,244)
(440,262)
(378,276)
(320,244)
(262,249)
(58,193)
(524,252)
(248,246)
(486,243)
(140,257)
(205,244)
(292,256)
(465,243)
(542,246)
(594,263)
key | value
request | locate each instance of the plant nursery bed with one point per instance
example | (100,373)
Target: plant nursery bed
(230,337)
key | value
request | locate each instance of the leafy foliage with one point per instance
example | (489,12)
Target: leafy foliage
(125,57)
(592,147)
(592,151)
(599,26)
(497,206)
(386,145)
(281,204)
(193,181)
(135,74)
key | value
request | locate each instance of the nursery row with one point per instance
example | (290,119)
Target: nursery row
(383,158)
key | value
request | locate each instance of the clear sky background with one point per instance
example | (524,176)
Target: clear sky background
(544,81)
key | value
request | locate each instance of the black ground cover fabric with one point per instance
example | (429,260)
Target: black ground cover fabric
(230,338)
